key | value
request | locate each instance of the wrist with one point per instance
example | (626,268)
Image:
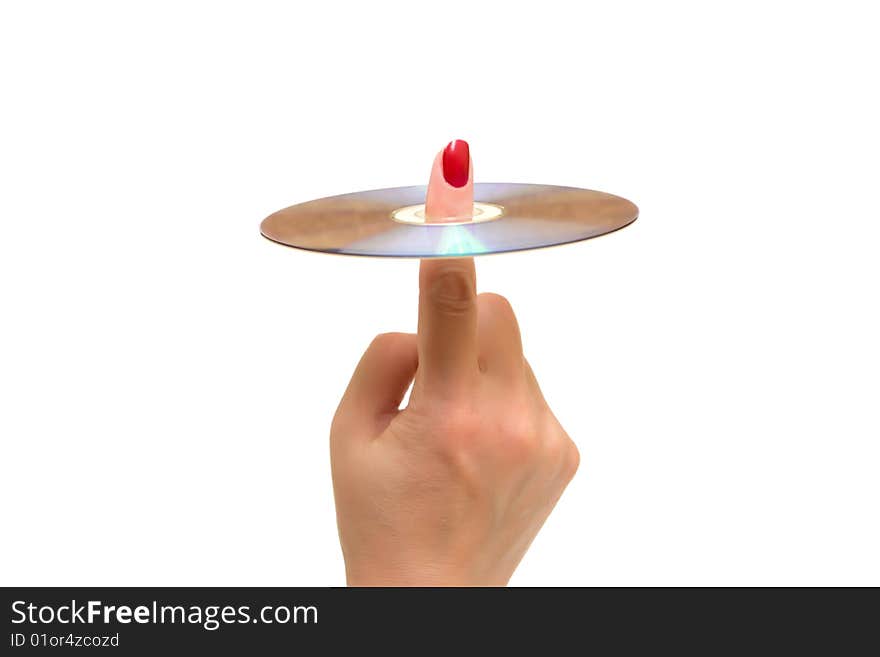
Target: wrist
(405,575)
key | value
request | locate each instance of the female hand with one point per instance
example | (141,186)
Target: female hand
(452,489)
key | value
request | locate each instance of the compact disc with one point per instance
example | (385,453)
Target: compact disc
(506,217)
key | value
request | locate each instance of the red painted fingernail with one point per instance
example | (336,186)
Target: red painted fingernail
(457,162)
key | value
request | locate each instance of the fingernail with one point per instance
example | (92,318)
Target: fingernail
(456,162)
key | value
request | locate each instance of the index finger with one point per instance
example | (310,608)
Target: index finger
(447,339)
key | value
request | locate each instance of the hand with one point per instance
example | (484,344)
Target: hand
(452,489)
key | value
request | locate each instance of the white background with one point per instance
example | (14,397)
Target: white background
(167,376)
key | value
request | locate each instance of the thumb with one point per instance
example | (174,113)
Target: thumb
(379,383)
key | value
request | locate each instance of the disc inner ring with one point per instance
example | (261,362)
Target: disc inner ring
(415,215)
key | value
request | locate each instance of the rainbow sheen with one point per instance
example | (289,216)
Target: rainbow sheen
(458,241)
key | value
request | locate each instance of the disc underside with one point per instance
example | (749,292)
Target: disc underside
(533,216)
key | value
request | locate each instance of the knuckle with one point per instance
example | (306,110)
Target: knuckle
(451,292)
(384,340)
(522,440)
(572,459)
(389,345)
(496,303)
(458,441)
